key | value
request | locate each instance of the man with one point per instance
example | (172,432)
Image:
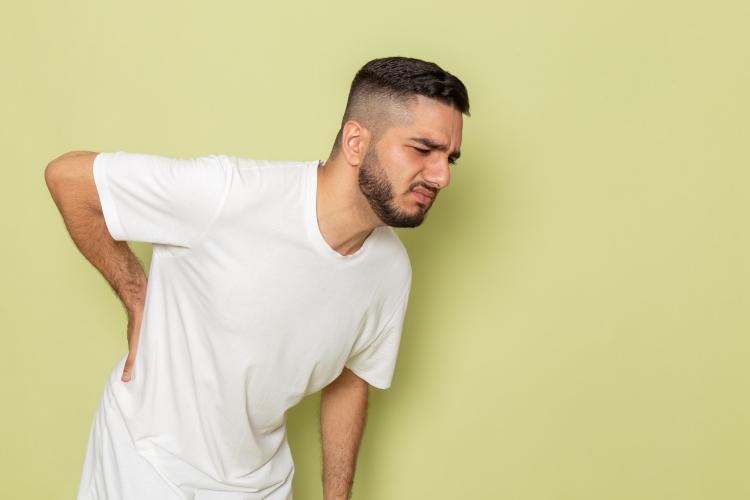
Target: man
(269,281)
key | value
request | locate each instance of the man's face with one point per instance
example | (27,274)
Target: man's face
(403,172)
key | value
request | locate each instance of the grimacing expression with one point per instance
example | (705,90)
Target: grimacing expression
(411,158)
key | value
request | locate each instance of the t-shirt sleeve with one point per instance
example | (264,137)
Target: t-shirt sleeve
(156,199)
(377,361)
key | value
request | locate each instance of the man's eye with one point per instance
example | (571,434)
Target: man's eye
(452,161)
(423,151)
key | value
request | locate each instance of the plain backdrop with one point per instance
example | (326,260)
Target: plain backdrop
(578,323)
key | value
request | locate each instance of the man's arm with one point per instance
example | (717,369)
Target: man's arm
(70,181)
(343,412)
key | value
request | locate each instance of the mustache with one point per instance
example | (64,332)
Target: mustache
(426,186)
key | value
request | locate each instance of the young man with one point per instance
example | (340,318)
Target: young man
(269,281)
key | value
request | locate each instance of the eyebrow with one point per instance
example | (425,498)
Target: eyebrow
(436,145)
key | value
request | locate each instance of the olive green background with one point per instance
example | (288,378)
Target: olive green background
(578,323)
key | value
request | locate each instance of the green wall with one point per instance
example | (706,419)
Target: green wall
(578,324)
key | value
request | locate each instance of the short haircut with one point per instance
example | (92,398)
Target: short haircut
(382,89)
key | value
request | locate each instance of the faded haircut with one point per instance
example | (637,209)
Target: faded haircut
(383,89)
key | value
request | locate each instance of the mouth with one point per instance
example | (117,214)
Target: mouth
(423,195)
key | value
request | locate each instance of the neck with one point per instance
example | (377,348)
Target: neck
(344,215)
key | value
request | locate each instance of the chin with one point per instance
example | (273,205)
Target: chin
(409,218)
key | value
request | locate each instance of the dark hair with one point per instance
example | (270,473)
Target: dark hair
(399,79)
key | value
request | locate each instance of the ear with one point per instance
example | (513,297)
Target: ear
(355,139)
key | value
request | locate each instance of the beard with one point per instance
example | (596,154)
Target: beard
(374,184)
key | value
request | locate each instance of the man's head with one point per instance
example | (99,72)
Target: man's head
(402,129)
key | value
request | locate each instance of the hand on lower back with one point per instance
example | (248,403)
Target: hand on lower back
(134,331)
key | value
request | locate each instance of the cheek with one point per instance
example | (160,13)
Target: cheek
(398,167)
(409,164)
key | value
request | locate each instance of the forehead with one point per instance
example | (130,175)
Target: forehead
(433,120)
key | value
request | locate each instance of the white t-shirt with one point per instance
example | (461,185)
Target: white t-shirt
(248,310)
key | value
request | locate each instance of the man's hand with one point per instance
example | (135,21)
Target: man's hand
(135,316)
(343,410)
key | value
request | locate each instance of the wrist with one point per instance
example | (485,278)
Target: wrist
(135,309)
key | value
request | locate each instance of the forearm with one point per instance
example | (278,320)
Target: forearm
(343,411)
(86,226)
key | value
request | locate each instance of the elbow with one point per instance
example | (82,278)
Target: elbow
(55,172)
(52,175)
(61,167)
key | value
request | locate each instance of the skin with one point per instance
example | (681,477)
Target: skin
(369,181)
(70,181)
(350,205)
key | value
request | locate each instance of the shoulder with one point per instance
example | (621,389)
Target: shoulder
(283,167)
(256,179)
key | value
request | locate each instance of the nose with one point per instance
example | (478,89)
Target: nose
(438,173)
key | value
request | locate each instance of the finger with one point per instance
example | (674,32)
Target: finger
(127,372)
(133,335)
